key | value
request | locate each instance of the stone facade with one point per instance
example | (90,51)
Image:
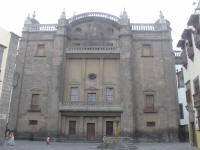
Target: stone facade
(94,75)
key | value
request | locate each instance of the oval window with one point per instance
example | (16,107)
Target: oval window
(92,76)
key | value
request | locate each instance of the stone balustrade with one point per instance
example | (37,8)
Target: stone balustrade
(93,49)
(147,27)
(90,106)
(40,27)
(177,53)
(97,103)
(179,58)
(143,27)
(94,14)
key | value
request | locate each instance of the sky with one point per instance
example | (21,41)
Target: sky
(14,12)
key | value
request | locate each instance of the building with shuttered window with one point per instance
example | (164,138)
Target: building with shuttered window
(189,58)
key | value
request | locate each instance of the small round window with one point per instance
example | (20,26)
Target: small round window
(92,76)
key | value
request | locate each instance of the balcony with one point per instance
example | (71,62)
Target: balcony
(180,58)
(93,51)
(196,100)
(34,108)
(94,106)
(40,27)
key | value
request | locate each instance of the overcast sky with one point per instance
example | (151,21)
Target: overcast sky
(14,12)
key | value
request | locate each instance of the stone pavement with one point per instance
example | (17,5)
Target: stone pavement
(40,145)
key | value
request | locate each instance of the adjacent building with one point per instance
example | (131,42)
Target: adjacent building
(189,58)
(183,112)
(8,51)
(95,75)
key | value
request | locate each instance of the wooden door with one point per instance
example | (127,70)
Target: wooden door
(109,128)
(91,131)
(193,134)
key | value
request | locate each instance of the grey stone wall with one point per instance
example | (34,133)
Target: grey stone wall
(138,74)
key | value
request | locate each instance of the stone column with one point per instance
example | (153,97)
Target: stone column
(81,123)
(126,76)
(100,127)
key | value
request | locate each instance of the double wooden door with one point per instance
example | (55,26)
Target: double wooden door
(91,131)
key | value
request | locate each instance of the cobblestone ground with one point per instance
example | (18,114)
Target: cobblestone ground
(38,145)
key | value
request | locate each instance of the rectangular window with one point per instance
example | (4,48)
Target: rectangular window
(196,86)
(146,50)
(91,97)
(198,117)
(149,103)
(151,124)
(74,94)
(41,50)
(181,111)
(35,102)
(180,79)
(72,127)
(33,122)
(109,94)
(188,96)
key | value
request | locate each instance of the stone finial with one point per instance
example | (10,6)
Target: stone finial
(27,23)
(63,16)
(28,19)
(124,14)
(124,20)
(162,18)
(33,16)
(62,21)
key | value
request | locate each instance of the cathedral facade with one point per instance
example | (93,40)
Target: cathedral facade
(95,75)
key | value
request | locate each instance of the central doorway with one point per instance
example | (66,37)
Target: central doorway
(109,128)
(91,131)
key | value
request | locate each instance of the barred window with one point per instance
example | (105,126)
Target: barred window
(151,124)
(33,122)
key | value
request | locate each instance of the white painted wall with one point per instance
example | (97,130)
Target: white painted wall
(182,100)
(4,40)
(192,71)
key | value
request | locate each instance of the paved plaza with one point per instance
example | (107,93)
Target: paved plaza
(40,145)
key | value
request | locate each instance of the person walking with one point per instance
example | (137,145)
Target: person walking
(11,139)
(48,141)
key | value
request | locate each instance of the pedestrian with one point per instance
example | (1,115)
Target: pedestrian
(11,139)
(48,141)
